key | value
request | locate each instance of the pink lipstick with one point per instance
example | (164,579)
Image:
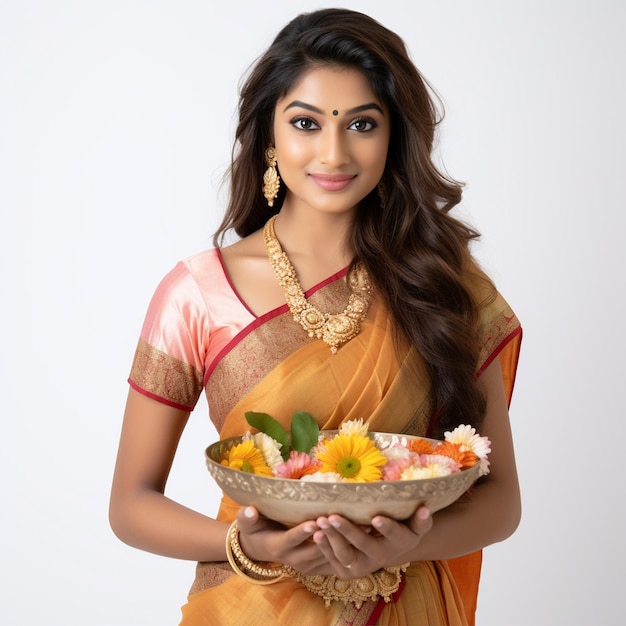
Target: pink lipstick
(333,182)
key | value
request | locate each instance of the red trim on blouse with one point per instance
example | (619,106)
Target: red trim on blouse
(153,396)
(491,358)
(260,320)
(230,284)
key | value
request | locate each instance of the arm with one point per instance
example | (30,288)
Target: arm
(493,510)
(490,514)
(140,514)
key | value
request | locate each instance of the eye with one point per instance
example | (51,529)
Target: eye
(363,125)
(304,123)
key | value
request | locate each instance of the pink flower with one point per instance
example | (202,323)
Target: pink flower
(397,464)
(299,464)
(443,461)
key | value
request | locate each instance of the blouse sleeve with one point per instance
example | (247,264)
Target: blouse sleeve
(169,360)
(501,338)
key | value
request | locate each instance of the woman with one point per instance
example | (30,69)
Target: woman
(339,125)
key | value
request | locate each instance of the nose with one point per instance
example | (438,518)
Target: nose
(333,148)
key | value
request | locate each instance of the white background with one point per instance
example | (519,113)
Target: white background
(116,121)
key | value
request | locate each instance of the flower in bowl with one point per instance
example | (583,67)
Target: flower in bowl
(292,476)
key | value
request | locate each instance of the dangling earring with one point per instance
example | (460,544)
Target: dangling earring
(271,180)
(382,194)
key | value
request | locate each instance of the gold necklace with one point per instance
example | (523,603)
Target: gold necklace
(334,330)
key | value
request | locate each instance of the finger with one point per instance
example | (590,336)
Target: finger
(321,542)
(421,521)
(337,545)
(311,560)
(360,537)
(300,534)
(249,520)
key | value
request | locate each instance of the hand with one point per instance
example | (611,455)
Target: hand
(262,539)
(354,551)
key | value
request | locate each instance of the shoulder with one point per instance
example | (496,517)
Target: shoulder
(250,247)
(193,274)
(498,324)
(186,289)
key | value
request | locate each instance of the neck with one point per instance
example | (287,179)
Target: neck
(320,236)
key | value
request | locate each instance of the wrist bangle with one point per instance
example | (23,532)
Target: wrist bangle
(380,584)
(240,562)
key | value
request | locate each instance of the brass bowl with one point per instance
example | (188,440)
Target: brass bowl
(290,501)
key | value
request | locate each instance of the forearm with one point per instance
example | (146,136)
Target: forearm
(152,522)
(488,514)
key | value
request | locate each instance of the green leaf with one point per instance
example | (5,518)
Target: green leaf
(268,425)
(304,432)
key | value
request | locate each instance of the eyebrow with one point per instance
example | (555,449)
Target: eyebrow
(310,107)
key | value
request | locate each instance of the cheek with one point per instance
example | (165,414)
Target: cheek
(375,159)
(291,158)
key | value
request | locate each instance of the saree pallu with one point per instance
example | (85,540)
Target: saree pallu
(371,378)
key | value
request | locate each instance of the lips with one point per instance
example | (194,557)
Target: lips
(333,182)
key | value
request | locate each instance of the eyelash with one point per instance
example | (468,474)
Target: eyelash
(365,120)
(312,123)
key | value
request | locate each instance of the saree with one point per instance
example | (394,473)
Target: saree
(269,364)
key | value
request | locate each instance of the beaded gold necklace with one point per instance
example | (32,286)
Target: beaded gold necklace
(333,329)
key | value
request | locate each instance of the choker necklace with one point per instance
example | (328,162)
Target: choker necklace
(334,330)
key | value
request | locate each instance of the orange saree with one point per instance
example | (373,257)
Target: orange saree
(198,333)
(367,379)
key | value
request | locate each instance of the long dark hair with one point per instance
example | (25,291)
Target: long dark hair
(416,253)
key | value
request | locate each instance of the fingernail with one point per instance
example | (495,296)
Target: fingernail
(423,513)
(335,523)
(249,512)
(377,522)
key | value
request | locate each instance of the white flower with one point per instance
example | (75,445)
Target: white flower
(439,459)
(323,477)
(382,441)
(269,448)
(466,436)
(353,427)
(433,470)
(397,452)
(484,467)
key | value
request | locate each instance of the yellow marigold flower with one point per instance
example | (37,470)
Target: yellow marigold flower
(246,458)
(353,457)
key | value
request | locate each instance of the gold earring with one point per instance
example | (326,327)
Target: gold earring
(271,180)
(382,194)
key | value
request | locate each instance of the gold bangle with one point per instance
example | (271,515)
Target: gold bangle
(380,584)
(240,562)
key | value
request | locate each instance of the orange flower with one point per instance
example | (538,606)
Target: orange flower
(420,446)
(460,453)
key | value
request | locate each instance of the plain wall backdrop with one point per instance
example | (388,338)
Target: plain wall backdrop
(116,123)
